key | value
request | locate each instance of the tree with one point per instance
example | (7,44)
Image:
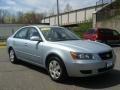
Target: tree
(52,12)
(68,8)
(3,13)
(30,18)
(20,18)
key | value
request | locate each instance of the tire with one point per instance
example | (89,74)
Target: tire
(56,69)
(12,57)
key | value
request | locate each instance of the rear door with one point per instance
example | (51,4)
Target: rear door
(20,43)
(108,34)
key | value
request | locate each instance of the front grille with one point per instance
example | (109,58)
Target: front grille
(106,55)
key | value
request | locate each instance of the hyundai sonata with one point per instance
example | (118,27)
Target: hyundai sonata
(60,52)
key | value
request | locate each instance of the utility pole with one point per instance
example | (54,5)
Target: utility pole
(58,13)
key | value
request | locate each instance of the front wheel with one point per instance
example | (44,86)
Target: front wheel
(56,69)
(12,57)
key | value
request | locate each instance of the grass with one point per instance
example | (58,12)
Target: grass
(2,47)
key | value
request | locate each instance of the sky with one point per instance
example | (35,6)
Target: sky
(42,5)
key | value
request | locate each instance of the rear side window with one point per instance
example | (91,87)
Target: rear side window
(22,34)
(91,31)
(108,32)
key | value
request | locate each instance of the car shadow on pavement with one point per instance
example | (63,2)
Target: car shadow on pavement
(33,67)
(97,82)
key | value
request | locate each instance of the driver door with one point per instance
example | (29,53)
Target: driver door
(34,48)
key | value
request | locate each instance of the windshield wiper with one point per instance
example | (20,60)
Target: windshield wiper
(64,40)
(72,39)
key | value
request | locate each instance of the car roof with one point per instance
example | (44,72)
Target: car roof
(102,29)
(40,26)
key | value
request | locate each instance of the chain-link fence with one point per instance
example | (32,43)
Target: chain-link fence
(7,30)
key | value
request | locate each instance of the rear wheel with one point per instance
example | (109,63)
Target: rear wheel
(12,57)
(56,69)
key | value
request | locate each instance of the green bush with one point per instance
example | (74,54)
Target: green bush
(81,29)
(3,38)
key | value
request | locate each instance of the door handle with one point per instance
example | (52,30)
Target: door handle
(25,44)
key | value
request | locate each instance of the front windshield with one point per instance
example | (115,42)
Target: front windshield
(58,34)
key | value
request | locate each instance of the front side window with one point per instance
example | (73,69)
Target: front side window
(115,33)
(21,34)
(58,34)
(32,32)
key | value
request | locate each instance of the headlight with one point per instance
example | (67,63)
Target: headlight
(82,56)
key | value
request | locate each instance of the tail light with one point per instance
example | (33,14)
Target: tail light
(96,36)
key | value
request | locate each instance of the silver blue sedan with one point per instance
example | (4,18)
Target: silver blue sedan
(60,52)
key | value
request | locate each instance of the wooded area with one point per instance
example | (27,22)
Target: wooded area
(20,18)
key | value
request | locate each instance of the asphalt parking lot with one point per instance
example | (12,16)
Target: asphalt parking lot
(25,76)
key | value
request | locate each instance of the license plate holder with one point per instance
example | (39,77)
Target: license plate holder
(109,63)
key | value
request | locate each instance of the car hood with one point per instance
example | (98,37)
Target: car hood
(84,46)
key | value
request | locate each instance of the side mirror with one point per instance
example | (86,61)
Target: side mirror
(35,38)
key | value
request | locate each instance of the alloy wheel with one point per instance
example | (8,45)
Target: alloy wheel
(55,69)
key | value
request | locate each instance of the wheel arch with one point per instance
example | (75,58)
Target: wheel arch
(57,55)
(9,48)
(50,55)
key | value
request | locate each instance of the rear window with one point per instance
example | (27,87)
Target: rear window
(91,31)
(108,32)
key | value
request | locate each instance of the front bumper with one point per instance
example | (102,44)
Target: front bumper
(89,68)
